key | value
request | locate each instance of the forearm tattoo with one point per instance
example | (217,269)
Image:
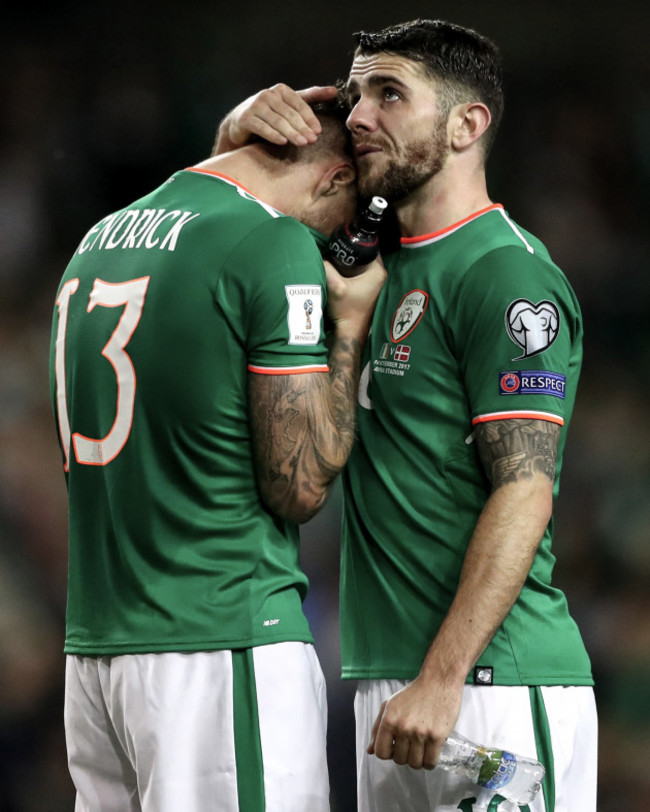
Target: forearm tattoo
(303,425)
(344,378)
(515,449)
(278,425)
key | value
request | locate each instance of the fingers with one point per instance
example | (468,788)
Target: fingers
(282,115)
(430,755)
(317,93)
(405,745)
(403,749)
(375,728)
(335,282)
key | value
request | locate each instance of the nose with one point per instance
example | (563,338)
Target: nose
(362,117)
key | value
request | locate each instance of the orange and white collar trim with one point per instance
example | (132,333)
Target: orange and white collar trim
(219,175)
(427,239)
(242,190)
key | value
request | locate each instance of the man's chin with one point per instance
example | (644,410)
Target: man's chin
(370,184)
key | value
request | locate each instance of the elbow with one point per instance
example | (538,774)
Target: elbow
(295,507)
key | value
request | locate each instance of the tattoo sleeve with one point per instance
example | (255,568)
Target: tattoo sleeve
(303,429)
(515,449)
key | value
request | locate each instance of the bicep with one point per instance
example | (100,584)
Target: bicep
(517,449)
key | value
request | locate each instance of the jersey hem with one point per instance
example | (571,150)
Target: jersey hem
(160,648)
(362,674)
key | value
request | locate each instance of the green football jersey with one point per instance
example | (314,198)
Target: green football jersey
(164,309)
(475,323)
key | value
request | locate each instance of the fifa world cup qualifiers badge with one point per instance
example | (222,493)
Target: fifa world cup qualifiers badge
(305,313)
(309,309)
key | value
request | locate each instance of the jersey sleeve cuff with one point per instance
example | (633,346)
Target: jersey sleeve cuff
(298,370)
(522,414)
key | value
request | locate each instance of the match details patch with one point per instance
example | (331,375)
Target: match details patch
(393,360)
(305,313)
(532,382)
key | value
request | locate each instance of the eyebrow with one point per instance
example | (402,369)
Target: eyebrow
(377,79)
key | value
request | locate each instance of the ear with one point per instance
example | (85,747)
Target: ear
(335,178)
(468,122)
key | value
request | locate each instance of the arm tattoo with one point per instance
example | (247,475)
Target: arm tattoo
(344,378)
(515,449)
(303,429)
(278,425)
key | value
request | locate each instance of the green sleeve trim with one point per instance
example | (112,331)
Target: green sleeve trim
(248,745)
(543,744)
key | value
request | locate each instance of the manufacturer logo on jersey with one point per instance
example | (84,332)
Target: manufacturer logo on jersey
(533,327)
(305,313)
(408,314)
(483,675)
(533,382)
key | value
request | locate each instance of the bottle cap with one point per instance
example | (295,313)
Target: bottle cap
(377,205)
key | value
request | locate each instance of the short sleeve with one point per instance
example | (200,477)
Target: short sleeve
(272,291)
(517,333)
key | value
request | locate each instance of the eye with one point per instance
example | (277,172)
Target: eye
(390,94)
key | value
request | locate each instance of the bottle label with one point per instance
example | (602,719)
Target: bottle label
(343,253)
(497,770)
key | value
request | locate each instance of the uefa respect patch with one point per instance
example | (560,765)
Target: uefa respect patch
(532,382)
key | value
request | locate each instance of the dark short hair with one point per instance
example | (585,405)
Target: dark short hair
(334,137)
(466,63)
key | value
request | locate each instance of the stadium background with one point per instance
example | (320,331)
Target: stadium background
(100,102)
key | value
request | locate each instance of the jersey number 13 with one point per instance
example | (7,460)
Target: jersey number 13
(129,295)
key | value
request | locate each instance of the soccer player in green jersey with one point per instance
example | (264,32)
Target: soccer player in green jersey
(200,419)
(448,612)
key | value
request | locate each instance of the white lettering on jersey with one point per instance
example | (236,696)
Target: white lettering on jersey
(136,228)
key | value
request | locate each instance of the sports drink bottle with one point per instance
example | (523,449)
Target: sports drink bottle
(516,778)
(353,245)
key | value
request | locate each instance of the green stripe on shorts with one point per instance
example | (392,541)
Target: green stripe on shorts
(248,747)
(543,744)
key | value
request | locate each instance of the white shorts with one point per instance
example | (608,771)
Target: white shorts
(557,725)
(233,731)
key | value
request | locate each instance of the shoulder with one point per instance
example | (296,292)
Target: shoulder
(507,256)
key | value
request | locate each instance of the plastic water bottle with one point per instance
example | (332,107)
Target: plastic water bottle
(516,778)
(354,245)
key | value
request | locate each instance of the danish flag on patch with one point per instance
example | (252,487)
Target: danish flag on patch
(402,352)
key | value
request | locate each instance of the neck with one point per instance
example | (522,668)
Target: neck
(444,200)
(256,171)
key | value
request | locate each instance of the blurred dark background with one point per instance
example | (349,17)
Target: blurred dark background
(101,102)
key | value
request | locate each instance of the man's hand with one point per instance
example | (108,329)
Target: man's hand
(277,114)
(351,300)
(414,723)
